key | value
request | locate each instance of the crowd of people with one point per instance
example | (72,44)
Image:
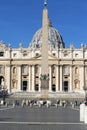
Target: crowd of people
(43,102)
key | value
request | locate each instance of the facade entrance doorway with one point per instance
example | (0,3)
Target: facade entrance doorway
(24,85)
(65,86)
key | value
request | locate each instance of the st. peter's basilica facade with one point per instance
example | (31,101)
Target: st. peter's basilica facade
(21,68)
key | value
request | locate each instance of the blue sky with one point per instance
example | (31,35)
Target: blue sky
(20,19)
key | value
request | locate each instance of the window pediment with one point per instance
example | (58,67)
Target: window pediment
(66,53)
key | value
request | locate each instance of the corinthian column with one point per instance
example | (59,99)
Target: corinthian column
(50,79)
(61,79)
(71,78)
(82,77)
(19,78)
(8,78)
(57,78)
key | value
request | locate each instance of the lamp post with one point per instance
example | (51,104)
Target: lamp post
(85,89)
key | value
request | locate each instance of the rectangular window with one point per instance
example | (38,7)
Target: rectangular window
(76,55)
(1,54)
(25,54)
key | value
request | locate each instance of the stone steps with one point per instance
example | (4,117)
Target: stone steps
(50,95)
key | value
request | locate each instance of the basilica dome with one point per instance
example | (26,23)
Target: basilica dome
(54,38)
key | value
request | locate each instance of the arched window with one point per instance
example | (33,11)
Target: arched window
(77,84)
(76,70)
(14,84)
(14,70)
(1,54)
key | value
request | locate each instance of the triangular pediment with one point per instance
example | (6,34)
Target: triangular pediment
(51,57)
(39,57)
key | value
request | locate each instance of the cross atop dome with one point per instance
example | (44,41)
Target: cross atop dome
(45,3)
